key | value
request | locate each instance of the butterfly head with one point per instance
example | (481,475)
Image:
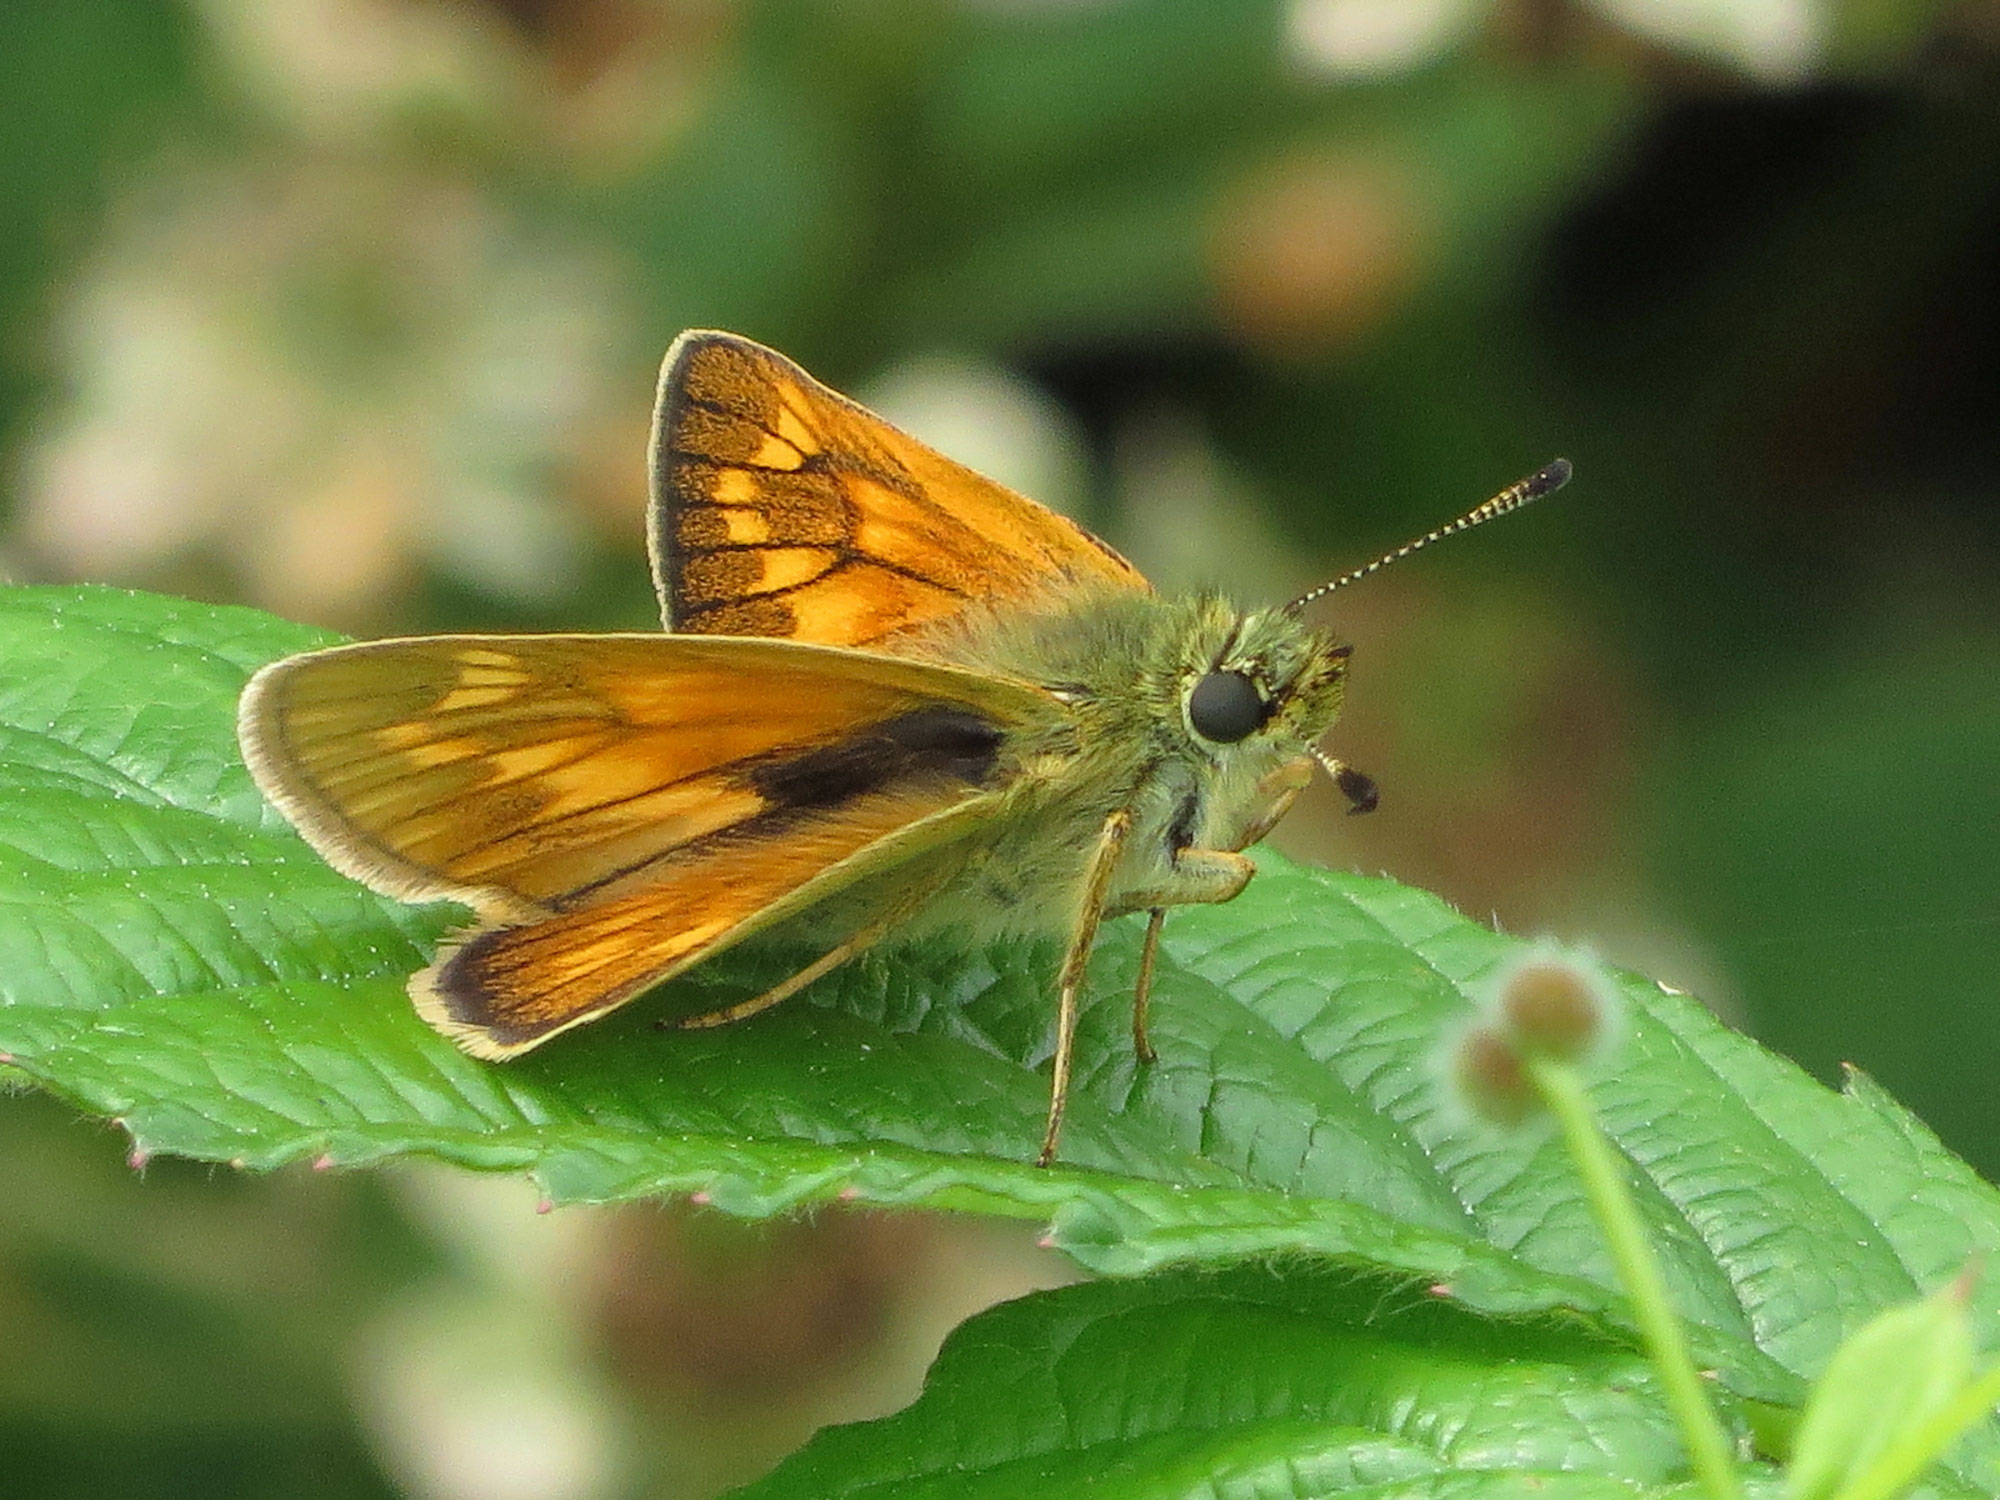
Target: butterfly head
(1277,681)
(1300,689)
(1256,708)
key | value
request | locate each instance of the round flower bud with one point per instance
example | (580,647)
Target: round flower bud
(1487,1068)
(1555,1007)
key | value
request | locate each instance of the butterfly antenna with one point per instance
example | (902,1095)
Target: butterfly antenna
(1544,481)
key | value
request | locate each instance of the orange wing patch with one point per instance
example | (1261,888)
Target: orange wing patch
(781,508)
(501,990)
(533,774)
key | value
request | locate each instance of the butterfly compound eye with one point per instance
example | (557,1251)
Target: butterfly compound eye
(1226,707)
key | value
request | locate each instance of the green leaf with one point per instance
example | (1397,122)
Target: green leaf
(1903,1368)
(1246,1383)
(175,957)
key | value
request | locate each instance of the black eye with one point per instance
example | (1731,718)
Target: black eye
(1226,707)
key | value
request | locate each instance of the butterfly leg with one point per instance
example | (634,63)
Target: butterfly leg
(1142,991)
(1200,875)
(1090,914)
(826,963)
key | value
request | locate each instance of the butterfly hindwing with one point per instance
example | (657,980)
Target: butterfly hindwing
(503,989)
(781,508)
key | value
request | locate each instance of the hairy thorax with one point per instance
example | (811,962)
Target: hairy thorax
(1124,665)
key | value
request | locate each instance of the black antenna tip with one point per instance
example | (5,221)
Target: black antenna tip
(1359,788)
(1546,480)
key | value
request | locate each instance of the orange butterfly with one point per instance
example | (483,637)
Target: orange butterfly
(894,697)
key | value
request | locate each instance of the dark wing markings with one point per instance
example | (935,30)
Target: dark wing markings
(855,559)
(944,741)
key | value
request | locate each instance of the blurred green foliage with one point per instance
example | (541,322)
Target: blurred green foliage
(349,306)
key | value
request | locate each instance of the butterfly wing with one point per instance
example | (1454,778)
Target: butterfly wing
(616,808)
(499,991)
(781,508)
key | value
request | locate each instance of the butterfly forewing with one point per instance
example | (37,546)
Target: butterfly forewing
(532,774)
(781,508)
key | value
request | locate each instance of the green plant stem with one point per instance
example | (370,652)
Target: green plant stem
(1905,1462)
(1639,1272)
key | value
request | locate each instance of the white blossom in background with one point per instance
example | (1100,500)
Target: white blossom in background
(1774,41)
(487,1384)
(1375,38)
(1777,41)
(319,377)
(606,85)
(351,68)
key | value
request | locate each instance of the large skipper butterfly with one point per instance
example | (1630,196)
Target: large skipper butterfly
(892,698)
